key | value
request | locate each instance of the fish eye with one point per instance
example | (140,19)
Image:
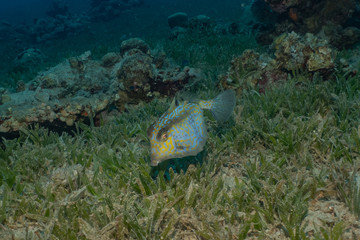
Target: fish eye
(164,137)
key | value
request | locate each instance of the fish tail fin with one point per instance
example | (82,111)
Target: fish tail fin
(221,106)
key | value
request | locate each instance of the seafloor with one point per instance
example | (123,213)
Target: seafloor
(75,155)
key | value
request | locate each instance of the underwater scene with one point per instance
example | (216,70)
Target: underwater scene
(177,119)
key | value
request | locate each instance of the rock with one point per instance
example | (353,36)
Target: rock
(289,51)
(349,37)
(5,98)
(201,22)
(177,32)
(306,17)
(293,52)
(320,58)
(109,59)
(78,63)
(135,45)
(79,88)
(44,29)
(20,86)
(136,72)
(109,9)
(29,58)
(251,70)
(178,19)
(57,8)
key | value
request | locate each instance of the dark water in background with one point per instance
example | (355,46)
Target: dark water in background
(19,11)
(144,21)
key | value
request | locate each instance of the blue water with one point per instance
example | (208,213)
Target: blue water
(19,11)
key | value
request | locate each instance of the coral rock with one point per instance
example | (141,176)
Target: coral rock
(135,72)
(80,88)
(110,59)
(29,58)
(134,44)
(294,52)
(178,19)
(308,16)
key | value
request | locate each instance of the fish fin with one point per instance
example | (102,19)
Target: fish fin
(222,106)
(188,97)
(173,104)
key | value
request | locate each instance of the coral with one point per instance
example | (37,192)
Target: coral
(281,6)
(178,19)
(293,53)
(135,72)
(81,88)
(252,70)
(201,22)
(109,9)
(110,59)
(9,32)
(60,22)
(134,44)
(289,51)
(57,8)
(351,65)
(320,58)
(263,12)
(339,37)
(308,16)
(28,58)
(177,32)
(44,29)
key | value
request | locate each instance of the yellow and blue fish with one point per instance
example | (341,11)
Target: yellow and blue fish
(181,131)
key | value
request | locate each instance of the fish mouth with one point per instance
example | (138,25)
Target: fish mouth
(154,163)
(154,160)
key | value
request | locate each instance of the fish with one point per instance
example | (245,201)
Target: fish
(181,131)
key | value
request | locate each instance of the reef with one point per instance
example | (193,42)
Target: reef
(329,18)
(180,24)
(293,53)
(28,58)
(81,88)
(58,8)
(109,9)
(60,22)
(178,19)
(44,29)
(9,32)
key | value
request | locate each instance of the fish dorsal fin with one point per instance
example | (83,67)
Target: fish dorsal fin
(189,97)
(173,105)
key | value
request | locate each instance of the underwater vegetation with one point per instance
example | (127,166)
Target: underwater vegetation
(77,158)
(284,166)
